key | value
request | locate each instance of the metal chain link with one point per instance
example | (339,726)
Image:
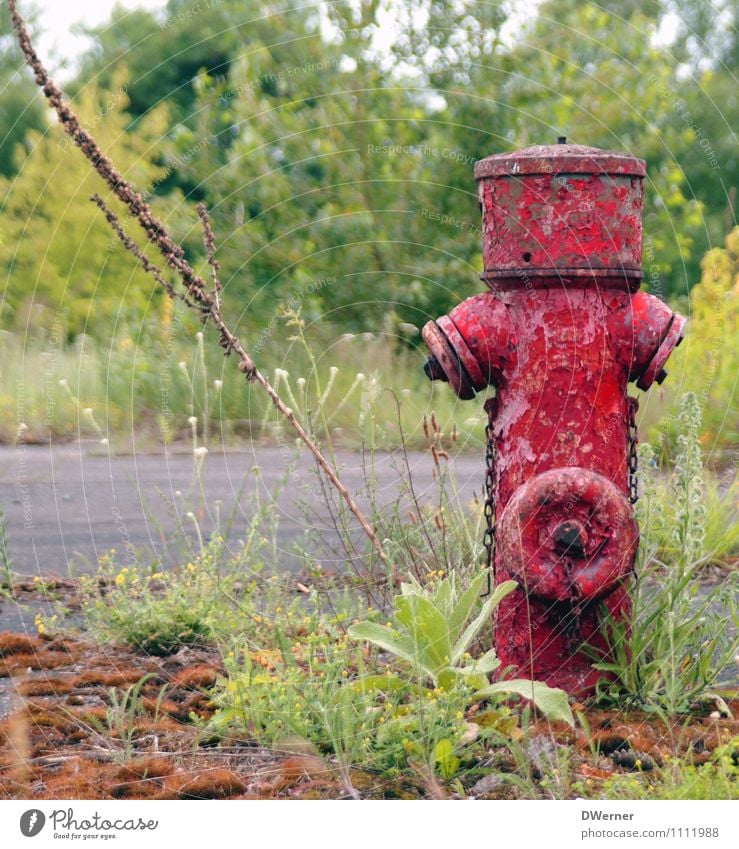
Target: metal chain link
(633,459)
(488,539)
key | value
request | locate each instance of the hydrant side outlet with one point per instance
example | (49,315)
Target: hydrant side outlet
(560,333)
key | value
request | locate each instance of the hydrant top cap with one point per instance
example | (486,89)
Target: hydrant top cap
(559,159)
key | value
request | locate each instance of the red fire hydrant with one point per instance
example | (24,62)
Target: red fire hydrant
(560,333)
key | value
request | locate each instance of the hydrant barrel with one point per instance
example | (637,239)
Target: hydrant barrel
(559,334)
(562,208)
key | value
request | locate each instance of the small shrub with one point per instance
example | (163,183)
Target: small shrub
(158,613)
(431,634)
(681,637)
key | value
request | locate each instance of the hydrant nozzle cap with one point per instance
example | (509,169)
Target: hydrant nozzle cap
(560,158)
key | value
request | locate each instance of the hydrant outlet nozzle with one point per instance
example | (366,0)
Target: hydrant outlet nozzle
(433,370)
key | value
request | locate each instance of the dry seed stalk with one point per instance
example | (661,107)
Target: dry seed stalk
(198,297)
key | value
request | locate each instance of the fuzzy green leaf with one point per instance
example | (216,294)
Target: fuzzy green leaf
(386,639)
(551,701)
(477,624)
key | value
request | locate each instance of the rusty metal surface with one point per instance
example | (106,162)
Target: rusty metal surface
(539,222)
(559,335)
(448,359)
(568,533)
(559,158)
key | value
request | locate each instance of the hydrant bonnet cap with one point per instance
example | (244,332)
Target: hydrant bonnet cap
(559,159)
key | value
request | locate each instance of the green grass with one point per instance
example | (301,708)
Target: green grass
(147,381)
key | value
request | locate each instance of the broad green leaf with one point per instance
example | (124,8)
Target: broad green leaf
(410,588)
(474,679)
(384,683)
(465,605)
(447,678)
(474,628)
(486,664)
(446,759)
(551,701)
(443,598)
(386,639)
(427,630)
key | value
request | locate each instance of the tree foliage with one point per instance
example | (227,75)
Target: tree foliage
(60,262)
(21,107)
(338,162)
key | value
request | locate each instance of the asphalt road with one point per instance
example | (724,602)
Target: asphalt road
(70,503)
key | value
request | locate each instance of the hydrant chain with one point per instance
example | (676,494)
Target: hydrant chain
(633,456)
(488,539)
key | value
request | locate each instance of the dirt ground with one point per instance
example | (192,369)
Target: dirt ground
(61,739)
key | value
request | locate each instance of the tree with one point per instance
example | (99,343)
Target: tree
(21,106)
(328,182)
(57,256)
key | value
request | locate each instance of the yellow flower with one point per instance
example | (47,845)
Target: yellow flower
(120,578)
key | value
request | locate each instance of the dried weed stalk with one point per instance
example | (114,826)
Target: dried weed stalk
(198,294)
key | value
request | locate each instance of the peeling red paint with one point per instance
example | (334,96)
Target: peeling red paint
(559,335)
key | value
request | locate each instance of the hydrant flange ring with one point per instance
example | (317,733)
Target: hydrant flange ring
(568,534)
